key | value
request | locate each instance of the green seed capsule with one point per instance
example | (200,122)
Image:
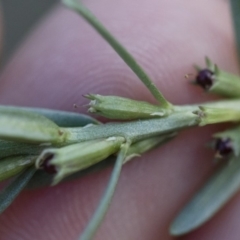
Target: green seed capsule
(113,107)
(212,115)
(68,160)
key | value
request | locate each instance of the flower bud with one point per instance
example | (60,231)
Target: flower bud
(113,107)
(67,160)
(214,80)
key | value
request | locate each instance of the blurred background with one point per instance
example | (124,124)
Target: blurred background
(19,18)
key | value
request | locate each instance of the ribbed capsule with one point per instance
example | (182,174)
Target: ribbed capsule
(113,107)
(67,160)
(219,114)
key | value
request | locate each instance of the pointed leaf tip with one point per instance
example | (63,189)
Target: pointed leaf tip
(8,195)
(209,200)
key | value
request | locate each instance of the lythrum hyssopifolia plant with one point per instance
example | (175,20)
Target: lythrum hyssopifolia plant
(44,147)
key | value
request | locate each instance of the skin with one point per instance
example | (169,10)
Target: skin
(64,58)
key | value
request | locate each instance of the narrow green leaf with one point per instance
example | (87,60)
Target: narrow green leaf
(103,206)
(9,148)
(24,126)
(122,52)
(12,166)
(8,195)
(235,6)
(212,197)
(63,118)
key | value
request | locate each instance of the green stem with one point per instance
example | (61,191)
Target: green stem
(122,52)
(103,206)
(135,131)
(181,117)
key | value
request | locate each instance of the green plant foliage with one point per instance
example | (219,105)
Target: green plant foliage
(216,192)
(35,141)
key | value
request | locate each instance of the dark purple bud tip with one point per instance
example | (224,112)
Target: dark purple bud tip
(205,78)
(47,166)
(224,146)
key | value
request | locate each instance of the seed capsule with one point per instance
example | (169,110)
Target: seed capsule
(114,107)
(205,78)
(224,146)
(70,159)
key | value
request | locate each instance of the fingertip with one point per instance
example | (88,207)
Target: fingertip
(64,58)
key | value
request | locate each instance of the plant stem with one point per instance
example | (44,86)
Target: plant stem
(103,206)
(134,131)
(181,117)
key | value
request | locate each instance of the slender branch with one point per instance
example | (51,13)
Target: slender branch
(122,52)
(103,206)
(181,117)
